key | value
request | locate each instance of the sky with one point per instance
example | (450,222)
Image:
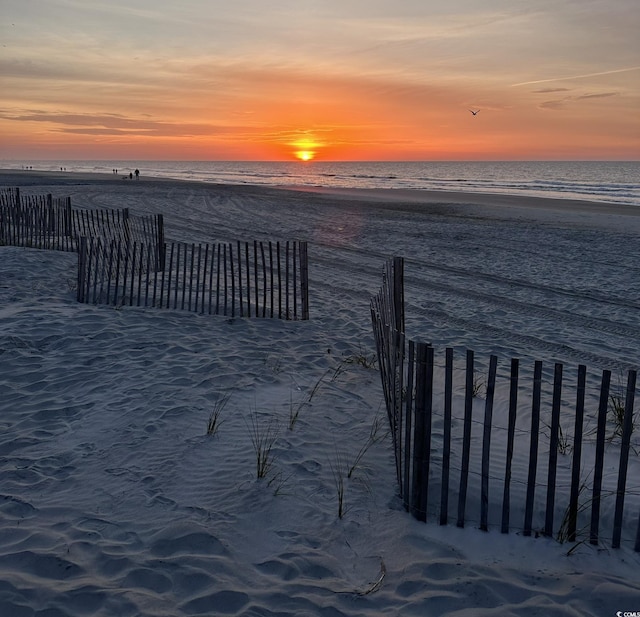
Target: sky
(324,80)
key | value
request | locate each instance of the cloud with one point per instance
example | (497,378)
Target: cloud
(596,96)
(561,103)
(611,72)
(550,90)
(115,124)
(557,104)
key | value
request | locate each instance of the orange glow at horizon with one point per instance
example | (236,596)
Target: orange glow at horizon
(336,82)
(305,155)
(306,148)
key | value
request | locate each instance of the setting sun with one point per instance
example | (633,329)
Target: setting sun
(305,155)
(305,148)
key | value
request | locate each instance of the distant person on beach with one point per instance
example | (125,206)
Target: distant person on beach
(130,176)
(137,172)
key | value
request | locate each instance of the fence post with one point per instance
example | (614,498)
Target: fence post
(82,268)
(553,449)
(418,436)
(422,432)
(466,439)
(304,278)
(486,444)
(627,429)
(533,447)
(446,438)
(68,227)
(162,248)
(397,347)
(513,406)
(398,293)
(264,283)
(577,454)
(405,492)
(255,278)
(286,280)
(599,462)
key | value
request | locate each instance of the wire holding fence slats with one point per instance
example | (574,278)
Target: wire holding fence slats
(425,459)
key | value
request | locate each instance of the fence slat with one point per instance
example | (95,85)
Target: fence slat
(221,247)
(82,269)
(117,281)
(599,462)
(304,279)
(279,269)
(98,258)
(486,443)
(233,284)
(133,274)
(627,429)
(577,454)
(198,267)
(446,437)
(466,439)
(286,281)
(255,278)
(177,283)
(533,447)
(422,439)
(109,275)
(513,407)
(140,268)
(553,449)
(406,491)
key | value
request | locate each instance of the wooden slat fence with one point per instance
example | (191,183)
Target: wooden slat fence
(44,222)
(40,221)
(241,279)
(559,480)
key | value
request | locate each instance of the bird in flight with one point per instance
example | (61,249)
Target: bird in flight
(475,113)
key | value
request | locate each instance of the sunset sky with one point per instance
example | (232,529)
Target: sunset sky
(323,79)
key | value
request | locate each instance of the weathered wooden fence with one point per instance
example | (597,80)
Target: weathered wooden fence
(123,259)
(432,438)
(242,279)
(44,222)
(37,221)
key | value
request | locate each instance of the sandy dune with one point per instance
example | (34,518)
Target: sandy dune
(115,501)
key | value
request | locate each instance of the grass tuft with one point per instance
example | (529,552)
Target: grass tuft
(263,438)
(215,418)
(338,468)
(375,435)
(479,386)
(368,361)
(296,408)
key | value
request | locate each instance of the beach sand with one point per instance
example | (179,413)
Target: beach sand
(115,501)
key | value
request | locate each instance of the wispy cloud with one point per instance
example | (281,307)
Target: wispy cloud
(584,76)
(602,95)
(561,103)
(550,90)
(115,124)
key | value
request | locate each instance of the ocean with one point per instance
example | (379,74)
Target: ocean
(602,181)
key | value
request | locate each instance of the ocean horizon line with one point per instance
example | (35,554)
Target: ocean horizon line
(616,182)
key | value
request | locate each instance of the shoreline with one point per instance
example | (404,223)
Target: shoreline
(391,197)
(619,217)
